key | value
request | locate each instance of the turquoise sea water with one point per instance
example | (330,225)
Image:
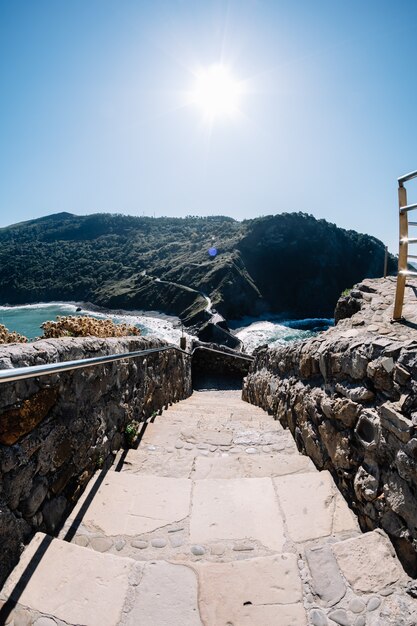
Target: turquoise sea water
(253,332)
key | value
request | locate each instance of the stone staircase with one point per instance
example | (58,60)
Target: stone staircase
(214,520)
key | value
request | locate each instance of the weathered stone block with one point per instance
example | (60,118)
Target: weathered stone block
(53,512)
(354,364)
(368,562)
(401,375)
(395,422)
(368,430)
(400,499)
(17,422)
(366,483)
(407,467)
(356,393)
(31,504)
(337,445)
(377,372)
(346,411)
(327,581)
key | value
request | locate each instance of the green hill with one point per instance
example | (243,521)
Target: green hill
(289,263)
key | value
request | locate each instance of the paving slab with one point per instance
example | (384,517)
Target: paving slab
(308,502)
(130,504)
(277,615)
(218,437)
(167,596)
(368,562)
(253,437)
(172,464)
(260,591)
(237,508)
(71,583)
(327,582)
(344,519)
(161,433)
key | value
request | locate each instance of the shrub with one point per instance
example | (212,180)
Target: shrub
(75,326)
(7,336)
(131,432)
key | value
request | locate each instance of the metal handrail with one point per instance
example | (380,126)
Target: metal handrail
(406,177)
(408,207)
(32,371)
(408,240)
(21,373)
(245,357)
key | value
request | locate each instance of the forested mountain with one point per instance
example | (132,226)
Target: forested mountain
(289,263)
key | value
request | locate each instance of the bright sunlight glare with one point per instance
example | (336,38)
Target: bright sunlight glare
(216,92)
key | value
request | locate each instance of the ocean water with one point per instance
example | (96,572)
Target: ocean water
(253,332)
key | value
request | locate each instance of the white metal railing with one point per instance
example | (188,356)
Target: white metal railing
(405,240)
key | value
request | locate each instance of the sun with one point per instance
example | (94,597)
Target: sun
(216,92)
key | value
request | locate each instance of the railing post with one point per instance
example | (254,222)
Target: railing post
(385,261)
(403,254)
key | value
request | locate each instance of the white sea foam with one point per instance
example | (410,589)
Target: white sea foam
(273,334)
(276,331)
(41,305)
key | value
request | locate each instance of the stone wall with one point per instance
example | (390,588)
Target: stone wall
(56,430)
(349,397)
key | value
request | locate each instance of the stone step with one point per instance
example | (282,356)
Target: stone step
(221,411)
(179,415)
(212,403)
(56,580)
(170,448)
(224,434)
(237,462)
(152,517)
(208,400)
(205,416)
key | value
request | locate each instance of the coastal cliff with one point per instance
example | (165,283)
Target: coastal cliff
(349,398)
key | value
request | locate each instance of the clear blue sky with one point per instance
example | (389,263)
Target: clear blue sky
(91,115)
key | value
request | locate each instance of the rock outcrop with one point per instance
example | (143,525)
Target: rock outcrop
(349,397)
(57,430)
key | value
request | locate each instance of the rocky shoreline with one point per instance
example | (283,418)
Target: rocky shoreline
(349,397)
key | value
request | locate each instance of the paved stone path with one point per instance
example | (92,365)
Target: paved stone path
(373,299)
(214,520)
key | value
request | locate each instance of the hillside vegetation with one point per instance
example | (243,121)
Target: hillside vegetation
(289,263)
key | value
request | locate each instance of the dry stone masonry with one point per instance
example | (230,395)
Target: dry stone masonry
(56,430)
(349,398)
